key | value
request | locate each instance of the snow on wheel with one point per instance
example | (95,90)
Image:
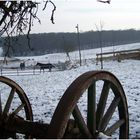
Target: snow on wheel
(13,102)
(105,113)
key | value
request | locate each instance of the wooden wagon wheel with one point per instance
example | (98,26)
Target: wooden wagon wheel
(99,113)
(11,92)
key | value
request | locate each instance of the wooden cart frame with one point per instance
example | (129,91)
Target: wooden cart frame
(98,115)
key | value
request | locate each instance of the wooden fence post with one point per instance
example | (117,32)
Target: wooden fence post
(97,59)
(17,72)
(1,72)
(34,70)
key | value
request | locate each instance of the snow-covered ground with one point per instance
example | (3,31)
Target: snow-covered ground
(45,90)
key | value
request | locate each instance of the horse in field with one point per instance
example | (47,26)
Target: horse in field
(45,66)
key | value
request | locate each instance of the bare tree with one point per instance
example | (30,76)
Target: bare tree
(17,17)
(100,29)
(68,47)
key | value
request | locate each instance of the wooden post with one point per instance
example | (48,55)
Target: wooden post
(1,72)
(17,72)
(79,46)
(34,70)
(97,59)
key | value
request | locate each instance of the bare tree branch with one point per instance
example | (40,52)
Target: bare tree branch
(17,17)
(52,19)
(107,1)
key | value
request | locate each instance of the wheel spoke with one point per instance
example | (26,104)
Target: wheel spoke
(19,109)
(109,113)
(80,122)
(91,113)
(114,127)
(102,104)
(9,101)
(19,117)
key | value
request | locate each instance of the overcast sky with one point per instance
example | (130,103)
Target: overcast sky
(119,14)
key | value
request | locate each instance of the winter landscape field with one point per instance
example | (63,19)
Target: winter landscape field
(44,90)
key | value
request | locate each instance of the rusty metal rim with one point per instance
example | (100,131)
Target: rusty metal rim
(71,96)
(24,99)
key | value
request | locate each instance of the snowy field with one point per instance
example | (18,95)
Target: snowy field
(45,90)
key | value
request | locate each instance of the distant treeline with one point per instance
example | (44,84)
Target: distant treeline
(44,43)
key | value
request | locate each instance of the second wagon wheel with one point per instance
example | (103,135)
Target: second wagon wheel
(104,115)
(13,102)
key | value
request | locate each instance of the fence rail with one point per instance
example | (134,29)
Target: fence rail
(18,72)
(123,54)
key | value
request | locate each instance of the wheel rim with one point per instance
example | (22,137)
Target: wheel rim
(11,93)
(98,117)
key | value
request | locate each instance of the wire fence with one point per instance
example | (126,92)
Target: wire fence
(19,72)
